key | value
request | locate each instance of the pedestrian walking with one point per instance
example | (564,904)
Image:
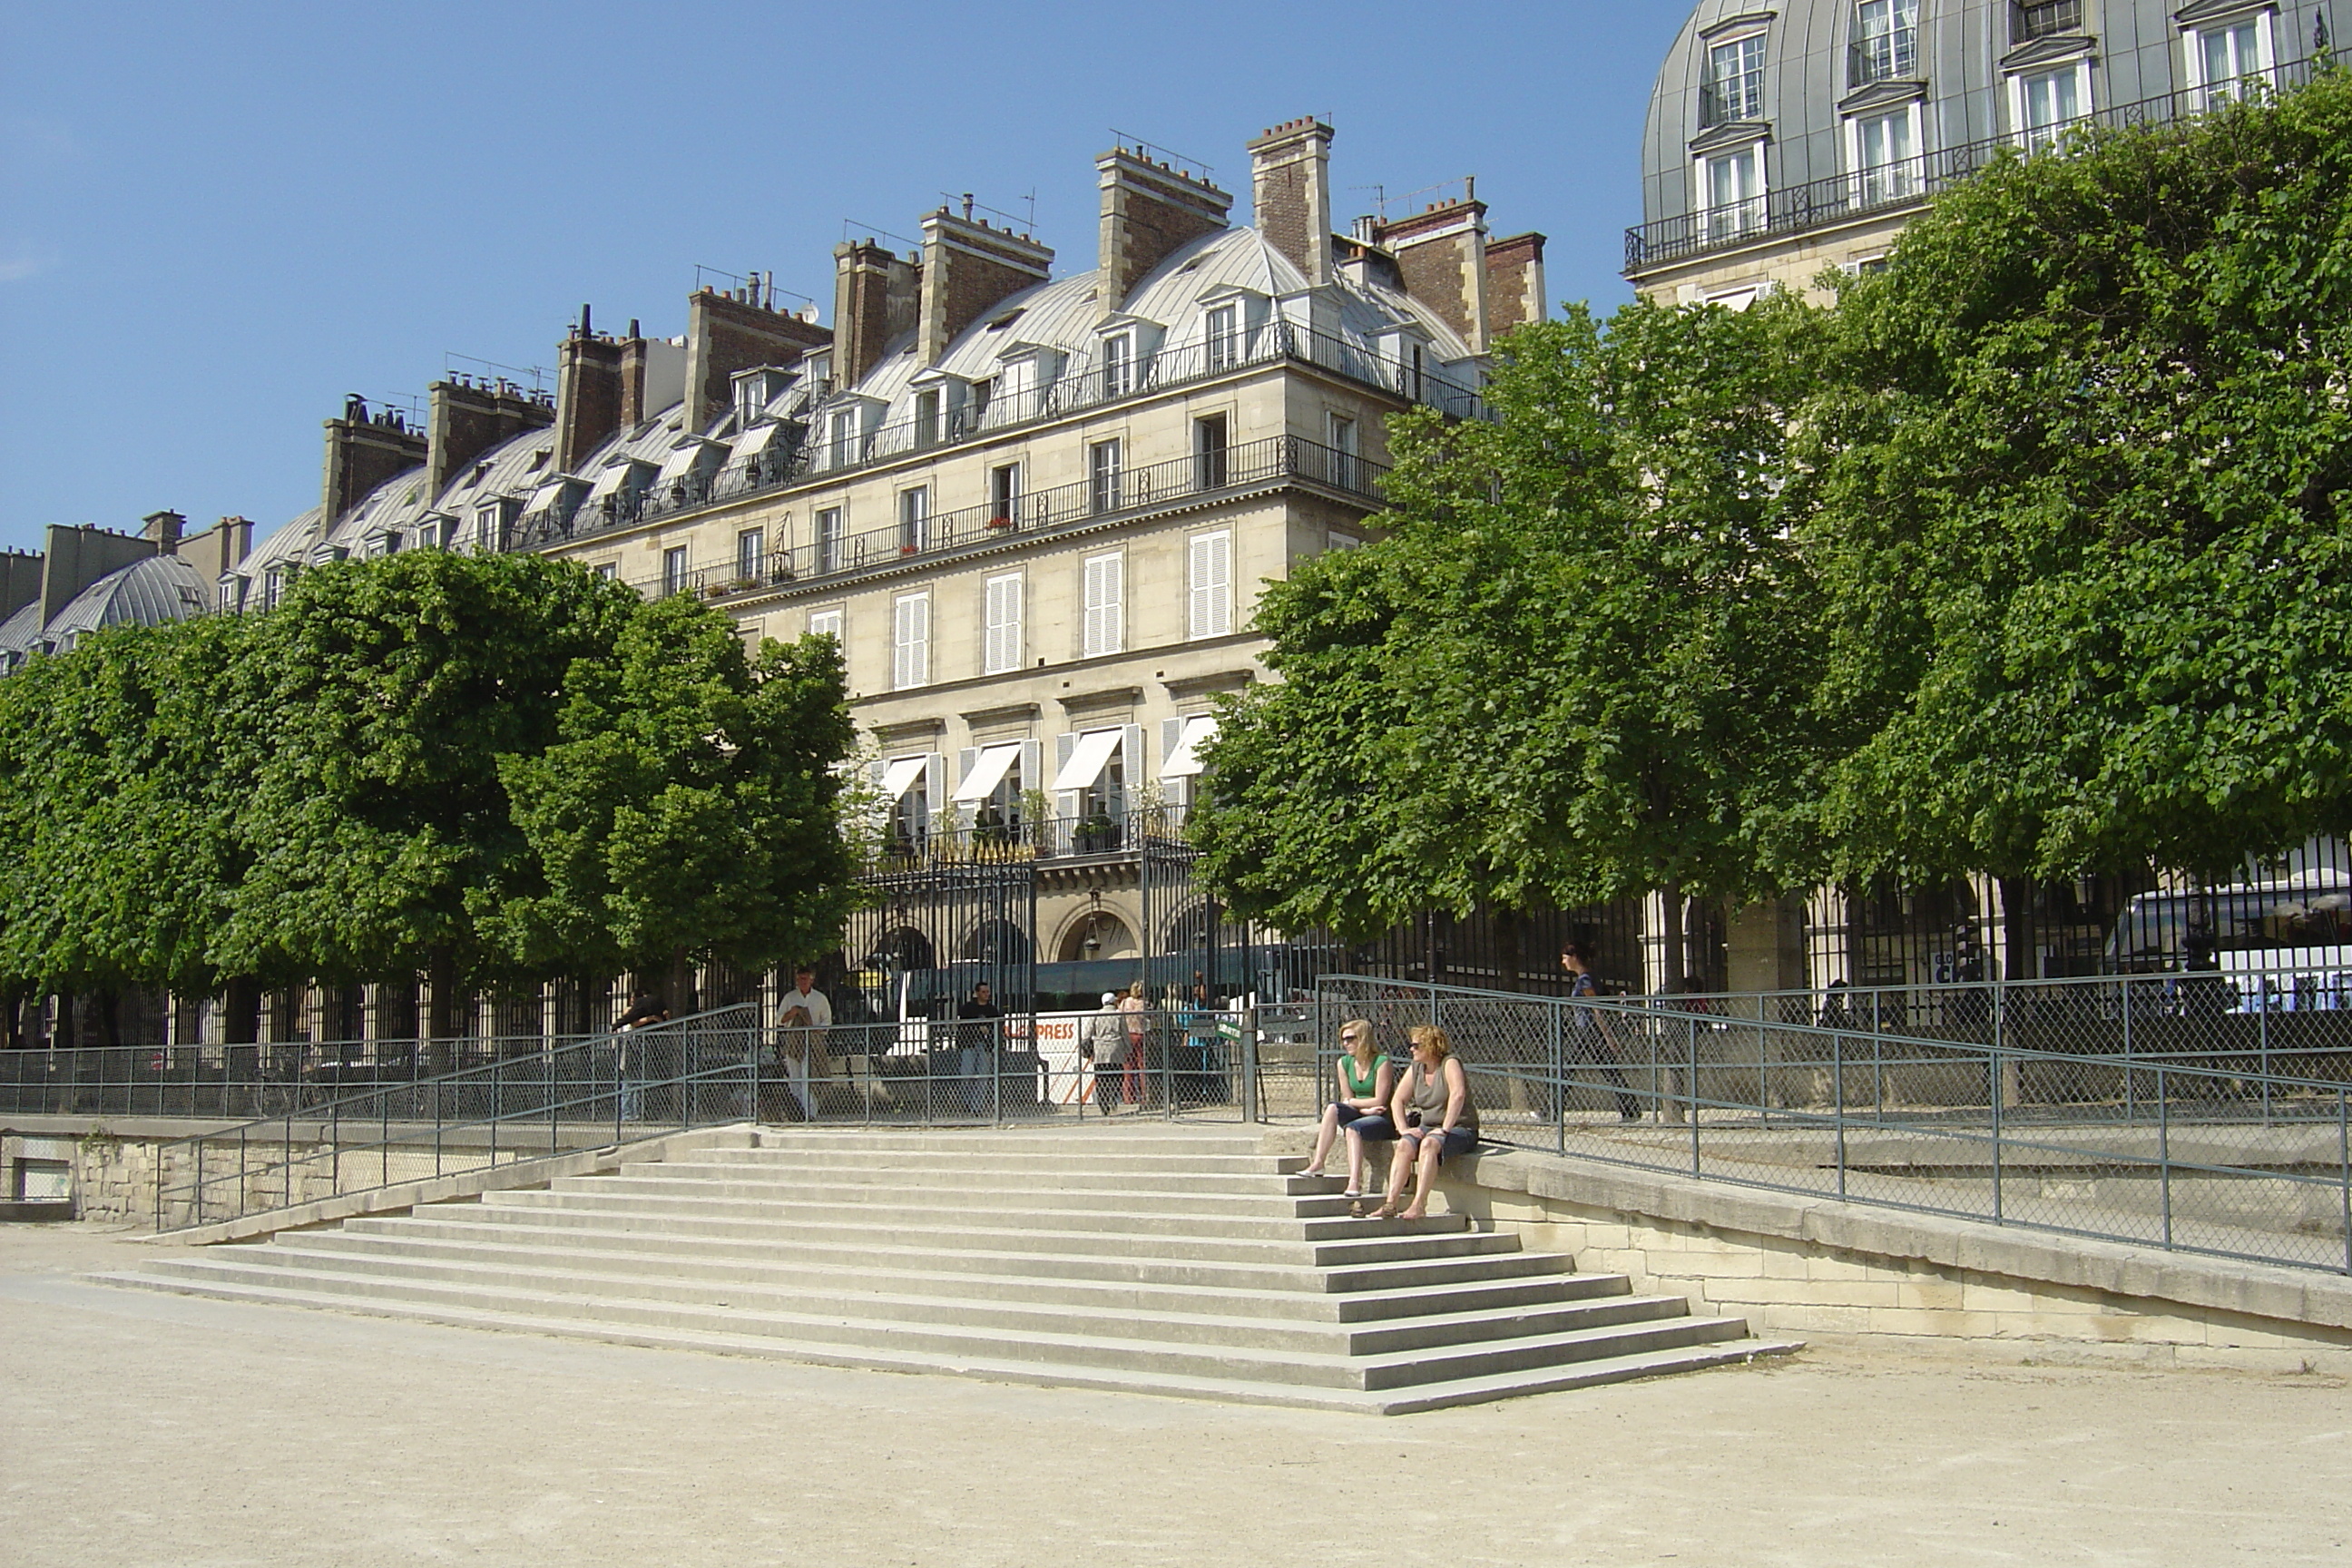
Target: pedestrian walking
(1589,1038)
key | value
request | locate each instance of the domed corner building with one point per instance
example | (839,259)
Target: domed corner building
(1785,140)
(84,579)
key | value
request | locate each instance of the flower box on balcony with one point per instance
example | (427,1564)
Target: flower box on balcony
(905,550)
(1000,521)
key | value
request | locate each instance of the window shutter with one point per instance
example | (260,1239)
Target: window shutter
(935,789)
(1032,767)
(1065,801)
(1212,595)
(1103,633)
(1131,764)
(964,760)
(1001,648)
(911,664)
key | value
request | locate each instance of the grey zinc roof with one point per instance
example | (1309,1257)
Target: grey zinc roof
(146,593)
(18,633)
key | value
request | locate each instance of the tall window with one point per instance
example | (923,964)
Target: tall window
(1734,87)
(1004,491)
(914,519)
(1885,41)
(1885,158)
(674,570)
(1211,598)
(927,417)
(826,624)
(1001,646)
(1118,366)
(1106,612)
(751,553)
(2032,19)
(2232,59)
(1735,192)
(911,641)
(845,437)
(1210,446)
(1221,338)
(1341,432)
(2048,104)
(1103,475)
(610,571)
(828,539)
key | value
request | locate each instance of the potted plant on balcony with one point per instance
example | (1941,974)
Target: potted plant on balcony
(1001,519)
(905,550)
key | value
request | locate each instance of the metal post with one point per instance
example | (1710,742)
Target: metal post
(2164,1148)
(2344,1175)
(2263,1031)
(1558,1085)
(1995,1063)
(1837,1099)
(1691,1025)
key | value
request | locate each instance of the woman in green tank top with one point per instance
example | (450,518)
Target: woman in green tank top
(1365,1078)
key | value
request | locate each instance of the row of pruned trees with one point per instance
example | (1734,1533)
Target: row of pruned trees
(2027,554)
(488,772)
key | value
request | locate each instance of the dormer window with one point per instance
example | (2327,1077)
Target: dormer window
(1220,337)
(2032,19)
(1734,87)
(1119,364)
(1885,42)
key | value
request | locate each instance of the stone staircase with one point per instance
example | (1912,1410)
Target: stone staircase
(1135,1257)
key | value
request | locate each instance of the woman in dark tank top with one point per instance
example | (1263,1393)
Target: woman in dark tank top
(1435,1118)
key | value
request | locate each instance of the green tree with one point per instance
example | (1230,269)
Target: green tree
(2085,448)
(688,806)
(376,706)
(1573,669)
(115,812)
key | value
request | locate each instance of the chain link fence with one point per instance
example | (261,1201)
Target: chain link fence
(1991,1103)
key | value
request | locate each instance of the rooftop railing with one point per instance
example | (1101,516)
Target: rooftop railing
(811,450)
(1106,497)
(1885,187)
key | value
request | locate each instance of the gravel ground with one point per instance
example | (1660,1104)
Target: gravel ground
(149,1429)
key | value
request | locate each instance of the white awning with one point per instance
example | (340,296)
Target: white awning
(680,462)
(988,771)
(900,776)
(755,440)
(1087,759)
(615,476)
(1184,761)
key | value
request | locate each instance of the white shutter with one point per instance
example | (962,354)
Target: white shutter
(1131,766)
(911,664)
(1212,579)
(1065,801)
(1175,792)
(1105,630)
(1032,769)
(1001,649)
(965,759)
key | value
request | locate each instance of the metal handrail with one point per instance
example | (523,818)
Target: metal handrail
(1861,193)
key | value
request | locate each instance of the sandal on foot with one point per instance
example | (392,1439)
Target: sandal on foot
(1361,1209)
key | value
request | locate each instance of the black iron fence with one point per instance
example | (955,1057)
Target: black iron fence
(1899,183)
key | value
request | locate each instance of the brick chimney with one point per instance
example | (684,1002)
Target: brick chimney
(1441,253)
(1290,191)
(587,393)
(968,266)
(218,547)
(1148,210)
(20,580)
(737,332)
(466,419)
(1514,283)
(165,528)
(363,451)
(876,295)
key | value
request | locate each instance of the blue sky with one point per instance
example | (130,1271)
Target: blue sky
(217,219)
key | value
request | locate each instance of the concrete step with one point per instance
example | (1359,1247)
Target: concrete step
(1244,1391)
(1261,1353)
(941,1195)
(467,1222)
(1223,1319)
(1146,1256)
(395,1249)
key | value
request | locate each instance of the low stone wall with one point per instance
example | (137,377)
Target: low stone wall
(1832,1271)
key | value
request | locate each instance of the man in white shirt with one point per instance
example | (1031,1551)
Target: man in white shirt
(808,1015)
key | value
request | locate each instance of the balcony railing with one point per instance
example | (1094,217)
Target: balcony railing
(810,451)
(1842,197)
(956,838)
(1251,465)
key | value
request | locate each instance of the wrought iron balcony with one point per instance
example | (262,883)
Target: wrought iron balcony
(1842,198)
(809,452)
(1253,465)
